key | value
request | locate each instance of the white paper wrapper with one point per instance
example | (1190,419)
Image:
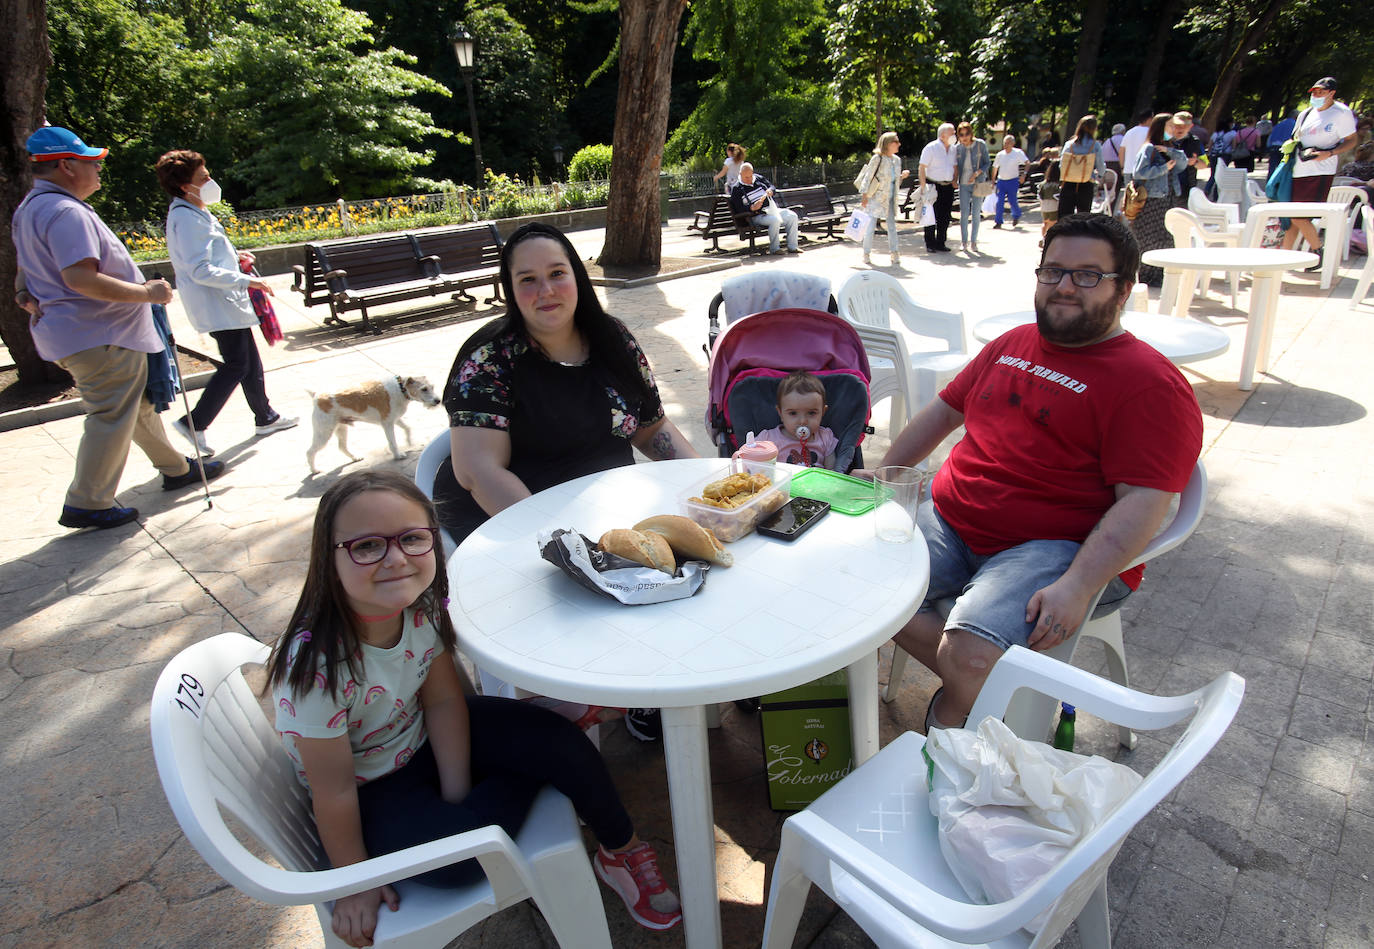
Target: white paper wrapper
(616,577)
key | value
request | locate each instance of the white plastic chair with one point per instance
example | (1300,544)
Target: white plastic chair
(438,449)
(871,843)
(1233,188)
(1357,199)
(867,300)
(1031,715)
(1104,198)
(1213,216)
(1187,231)
(1366,275)
(216,750)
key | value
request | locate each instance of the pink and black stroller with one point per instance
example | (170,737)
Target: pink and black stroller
(752,355)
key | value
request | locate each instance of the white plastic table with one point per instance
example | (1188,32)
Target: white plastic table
(1266,267)
(784,614)
(1331,214)
(1179,340)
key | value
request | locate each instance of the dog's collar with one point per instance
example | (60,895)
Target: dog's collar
(401,382)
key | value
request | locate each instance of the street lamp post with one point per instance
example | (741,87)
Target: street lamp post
(464,47)
(558,158)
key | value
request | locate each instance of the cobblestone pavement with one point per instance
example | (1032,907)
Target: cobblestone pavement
(1269,843)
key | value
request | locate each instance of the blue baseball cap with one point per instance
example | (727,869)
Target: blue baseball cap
(52,142)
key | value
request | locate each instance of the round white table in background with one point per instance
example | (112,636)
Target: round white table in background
(784,614)
(1266,267)
(1179,340)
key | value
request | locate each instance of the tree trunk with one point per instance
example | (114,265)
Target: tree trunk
(1085,70)
(1154,58)
(24,60)
(1229,77)
(648,38)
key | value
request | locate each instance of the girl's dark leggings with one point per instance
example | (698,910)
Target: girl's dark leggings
(517,748)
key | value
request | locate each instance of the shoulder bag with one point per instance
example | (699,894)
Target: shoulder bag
(1134,201)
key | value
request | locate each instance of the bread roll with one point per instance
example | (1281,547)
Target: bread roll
(688,539)
(651,550)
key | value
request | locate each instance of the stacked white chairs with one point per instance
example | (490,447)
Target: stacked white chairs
(1187,231)
(1366,275)
(1031,715)
(872,844)
(867,300)
(216,752)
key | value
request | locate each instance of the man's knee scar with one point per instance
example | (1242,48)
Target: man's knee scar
(977,662)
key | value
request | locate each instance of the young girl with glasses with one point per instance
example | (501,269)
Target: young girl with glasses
(371,708)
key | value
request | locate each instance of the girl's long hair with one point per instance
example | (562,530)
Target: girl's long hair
(323,608)
(604,334)
(1087,128)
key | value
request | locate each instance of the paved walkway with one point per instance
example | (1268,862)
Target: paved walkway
(1270,843)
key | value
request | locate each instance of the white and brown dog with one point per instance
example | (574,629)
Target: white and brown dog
(381,401)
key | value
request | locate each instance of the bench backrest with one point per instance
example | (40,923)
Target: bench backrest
(812,199)
(462,248)
(376,262)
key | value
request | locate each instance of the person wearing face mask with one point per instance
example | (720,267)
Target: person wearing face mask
(214,290)
(1156,170)
(1325,130)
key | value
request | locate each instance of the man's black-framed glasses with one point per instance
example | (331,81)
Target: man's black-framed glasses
(413,542)
(1084,279)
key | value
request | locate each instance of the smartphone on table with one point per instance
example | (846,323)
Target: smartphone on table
(793,519)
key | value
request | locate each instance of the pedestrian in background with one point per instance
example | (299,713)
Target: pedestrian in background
(878,192)
(973,164)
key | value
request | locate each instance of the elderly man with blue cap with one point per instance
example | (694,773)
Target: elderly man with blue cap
(89,312)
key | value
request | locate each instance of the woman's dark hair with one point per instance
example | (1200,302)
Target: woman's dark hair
(1102,227)
(605,339)
(1157,126)
(323,609)
(1087,128)
(176,168)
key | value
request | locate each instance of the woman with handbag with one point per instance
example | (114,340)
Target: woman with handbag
(972,163)
(1080,168)
(1154,169)
(1323,132)
(878,183)
(214,291)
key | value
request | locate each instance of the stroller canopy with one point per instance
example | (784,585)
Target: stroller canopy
(786,340)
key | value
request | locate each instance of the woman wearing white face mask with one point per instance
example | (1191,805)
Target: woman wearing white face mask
(1324,130)
(214,292)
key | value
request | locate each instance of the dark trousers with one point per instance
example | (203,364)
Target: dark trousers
(1075,197)
(516,749)
(242,367)
(944,211)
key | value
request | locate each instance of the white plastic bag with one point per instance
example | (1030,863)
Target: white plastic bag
(859,224)
(990,204)
(927,216)
(1010,809)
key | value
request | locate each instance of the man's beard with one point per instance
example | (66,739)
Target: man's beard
(1091,323)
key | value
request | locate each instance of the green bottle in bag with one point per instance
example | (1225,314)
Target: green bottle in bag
(1063,734)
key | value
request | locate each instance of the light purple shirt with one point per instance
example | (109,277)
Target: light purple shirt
(52,231)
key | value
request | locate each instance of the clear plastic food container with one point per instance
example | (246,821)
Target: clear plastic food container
(730,524)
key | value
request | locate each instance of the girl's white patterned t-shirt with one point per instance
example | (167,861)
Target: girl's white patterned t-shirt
(381,716)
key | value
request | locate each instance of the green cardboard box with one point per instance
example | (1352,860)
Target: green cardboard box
(806,741)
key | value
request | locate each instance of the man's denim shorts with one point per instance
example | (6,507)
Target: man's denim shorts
(993,590)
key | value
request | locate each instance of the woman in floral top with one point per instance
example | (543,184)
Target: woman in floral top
(555,389)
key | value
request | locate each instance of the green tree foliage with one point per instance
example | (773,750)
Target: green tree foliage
(879,51)
(289,101)
(591,163)
(119,79)
(772,93)
(311,111)
(1023,63)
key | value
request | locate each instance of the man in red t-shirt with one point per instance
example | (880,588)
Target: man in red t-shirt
(1077,438)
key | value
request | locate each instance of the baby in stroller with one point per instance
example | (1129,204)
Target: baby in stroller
(801,439)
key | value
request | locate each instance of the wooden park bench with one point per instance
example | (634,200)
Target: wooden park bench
(387,268)
(721,221)
(816,210)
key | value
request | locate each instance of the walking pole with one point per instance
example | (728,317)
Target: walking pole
(177,381)
(190,423)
